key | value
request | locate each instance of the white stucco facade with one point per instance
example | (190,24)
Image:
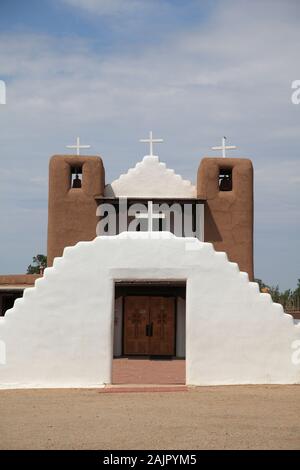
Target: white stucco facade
(60,334)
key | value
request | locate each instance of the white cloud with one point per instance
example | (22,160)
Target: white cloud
(107,7)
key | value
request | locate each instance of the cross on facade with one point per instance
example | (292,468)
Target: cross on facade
(151,141)
(78,146)
(150,216)
(224,147)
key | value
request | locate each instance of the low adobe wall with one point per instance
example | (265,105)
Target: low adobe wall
(19,279)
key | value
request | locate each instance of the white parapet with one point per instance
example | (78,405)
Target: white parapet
(151,177)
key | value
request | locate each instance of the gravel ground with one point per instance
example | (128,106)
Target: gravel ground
(239,417)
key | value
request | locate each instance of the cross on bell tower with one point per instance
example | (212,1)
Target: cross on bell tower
(77,146)
(224,147)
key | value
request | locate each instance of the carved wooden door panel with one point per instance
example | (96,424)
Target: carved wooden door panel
(162,320)
(136,321)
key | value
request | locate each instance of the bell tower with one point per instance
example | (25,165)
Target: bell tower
(74,182)
(227,186)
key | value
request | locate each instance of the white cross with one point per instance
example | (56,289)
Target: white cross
(151,141)
(224,147)
(78,146)
(150,216)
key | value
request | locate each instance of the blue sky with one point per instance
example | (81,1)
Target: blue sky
(111,70)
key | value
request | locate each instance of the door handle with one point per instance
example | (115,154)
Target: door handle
(149,329)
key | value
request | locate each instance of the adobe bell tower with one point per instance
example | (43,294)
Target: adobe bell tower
(226,184)
(74,182)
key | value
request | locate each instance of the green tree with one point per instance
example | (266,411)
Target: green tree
(296,292)
(39,263)
(261,284)
(288,297)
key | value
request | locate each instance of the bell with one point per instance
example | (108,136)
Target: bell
(225,184)
(76,182)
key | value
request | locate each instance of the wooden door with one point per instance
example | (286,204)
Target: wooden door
(136,320)
(162,319)
(149,326)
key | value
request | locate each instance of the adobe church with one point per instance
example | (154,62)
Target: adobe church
(148,267)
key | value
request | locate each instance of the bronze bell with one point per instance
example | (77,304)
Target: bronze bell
(225,184)
(76,182)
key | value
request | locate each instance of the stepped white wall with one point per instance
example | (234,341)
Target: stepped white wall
(61,333)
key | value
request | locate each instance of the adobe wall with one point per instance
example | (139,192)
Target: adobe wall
(229,214)
(18,279)
(72,212)
(60,334)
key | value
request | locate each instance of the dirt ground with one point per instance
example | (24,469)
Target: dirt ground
(240,417)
